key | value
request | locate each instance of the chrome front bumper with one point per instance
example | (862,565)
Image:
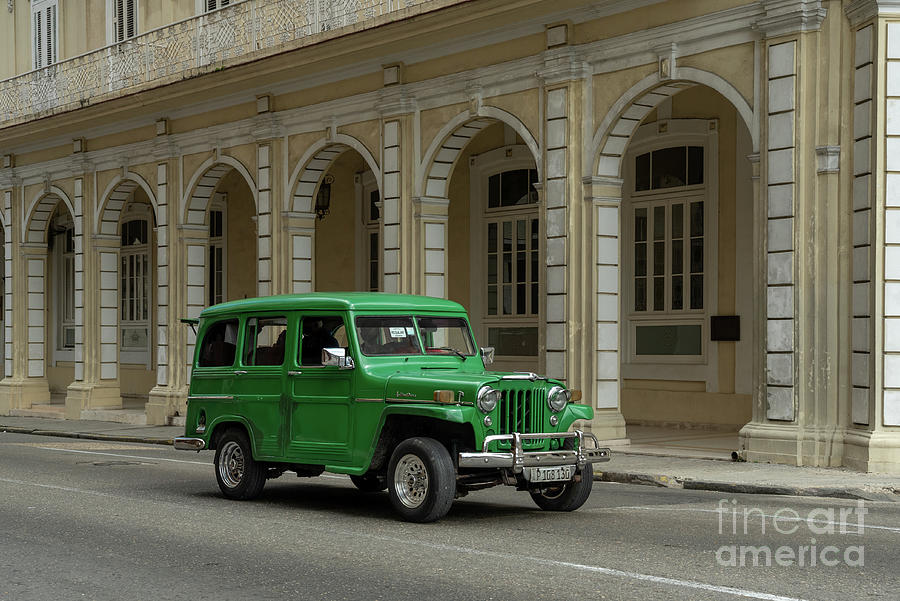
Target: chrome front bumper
(183,443)
(517,459)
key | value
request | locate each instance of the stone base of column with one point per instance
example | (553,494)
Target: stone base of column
(22,394)
(82,395)
(792,445)
(165,403)
(608,424)
(869,451)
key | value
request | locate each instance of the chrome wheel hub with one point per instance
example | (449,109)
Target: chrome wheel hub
(411,481)
(231,464)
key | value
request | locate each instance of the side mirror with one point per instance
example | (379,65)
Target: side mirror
(487,355)
(337,357)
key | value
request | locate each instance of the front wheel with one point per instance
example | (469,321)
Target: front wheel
(240,477)
(565,496)
(421,480)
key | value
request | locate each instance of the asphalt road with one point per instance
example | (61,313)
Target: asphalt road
(114,521)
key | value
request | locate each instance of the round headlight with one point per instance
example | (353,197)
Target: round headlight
(487,398)
(558,398)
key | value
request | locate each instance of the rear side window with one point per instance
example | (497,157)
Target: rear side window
(219,344)
(264,340)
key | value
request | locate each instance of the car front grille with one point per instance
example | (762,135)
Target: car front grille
(522,410)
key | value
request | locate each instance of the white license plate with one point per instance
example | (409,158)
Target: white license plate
(558,473)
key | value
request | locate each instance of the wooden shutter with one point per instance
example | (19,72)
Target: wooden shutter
(129,19)
(38,42)
(51,34)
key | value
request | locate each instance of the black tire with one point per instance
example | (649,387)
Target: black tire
(567,496)
(369,482)
(240,477)
(421,480)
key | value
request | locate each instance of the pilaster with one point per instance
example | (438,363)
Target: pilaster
(432,215)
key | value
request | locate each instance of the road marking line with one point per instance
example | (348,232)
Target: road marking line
(206,463)
(62,488)
(739,592)
(755,515)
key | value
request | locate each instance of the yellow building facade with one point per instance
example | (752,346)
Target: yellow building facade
(689,210)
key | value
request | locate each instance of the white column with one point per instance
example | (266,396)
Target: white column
(162,275)
(606,227)
(891,365)
(35,268)
(78,239)
(861,329)
(432,214)
(781,190)
(303,240)
(556,227)
(109,313)
(196,251)
(7,286)
(264,221)
(391,206)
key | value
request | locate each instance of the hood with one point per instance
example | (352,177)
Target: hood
(420,385)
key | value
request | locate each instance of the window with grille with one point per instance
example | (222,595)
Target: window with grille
(135,288)
(124,19)
(513,263)
(215,284)
(668,251)
(44,33)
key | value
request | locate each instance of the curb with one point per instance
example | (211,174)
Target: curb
(87,435)
(660,480)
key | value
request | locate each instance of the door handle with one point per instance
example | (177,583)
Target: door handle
(240,372)
(294,372)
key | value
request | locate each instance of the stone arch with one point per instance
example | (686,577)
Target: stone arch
(203,183)
(40,211)
(304,181)
(620,122)
(433,174)
(106,221)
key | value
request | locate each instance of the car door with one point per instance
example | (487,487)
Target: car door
(321,418)
(258,380)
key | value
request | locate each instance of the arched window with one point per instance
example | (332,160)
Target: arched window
(506,251)
(669,249)
(135,290)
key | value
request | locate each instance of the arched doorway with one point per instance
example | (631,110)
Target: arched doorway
(337,236)
(127,246)
(485,168)
(687,305)
(221,238)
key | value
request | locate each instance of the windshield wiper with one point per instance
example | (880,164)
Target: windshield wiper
(452,350)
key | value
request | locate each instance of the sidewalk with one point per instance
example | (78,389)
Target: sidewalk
(633,468)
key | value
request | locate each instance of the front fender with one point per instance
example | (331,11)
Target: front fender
(573,413)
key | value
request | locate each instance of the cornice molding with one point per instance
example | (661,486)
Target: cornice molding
(563,64)
(860,11)
(784,17)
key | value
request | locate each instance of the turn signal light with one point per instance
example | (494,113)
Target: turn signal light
(576,395)
(443,396)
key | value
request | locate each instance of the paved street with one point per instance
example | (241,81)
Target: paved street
(84,519)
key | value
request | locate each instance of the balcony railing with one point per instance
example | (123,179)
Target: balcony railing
(246,29)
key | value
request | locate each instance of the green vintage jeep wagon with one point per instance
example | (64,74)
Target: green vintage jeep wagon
(389,389)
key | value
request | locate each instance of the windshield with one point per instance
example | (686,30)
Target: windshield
(384,336)
(446,336)
(387,336)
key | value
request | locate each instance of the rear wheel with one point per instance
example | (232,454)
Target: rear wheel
(369,482)
(240,477)
(421,480)
(565,496)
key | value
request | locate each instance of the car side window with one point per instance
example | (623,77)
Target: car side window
(219,344)
(320,332)
(264,339)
